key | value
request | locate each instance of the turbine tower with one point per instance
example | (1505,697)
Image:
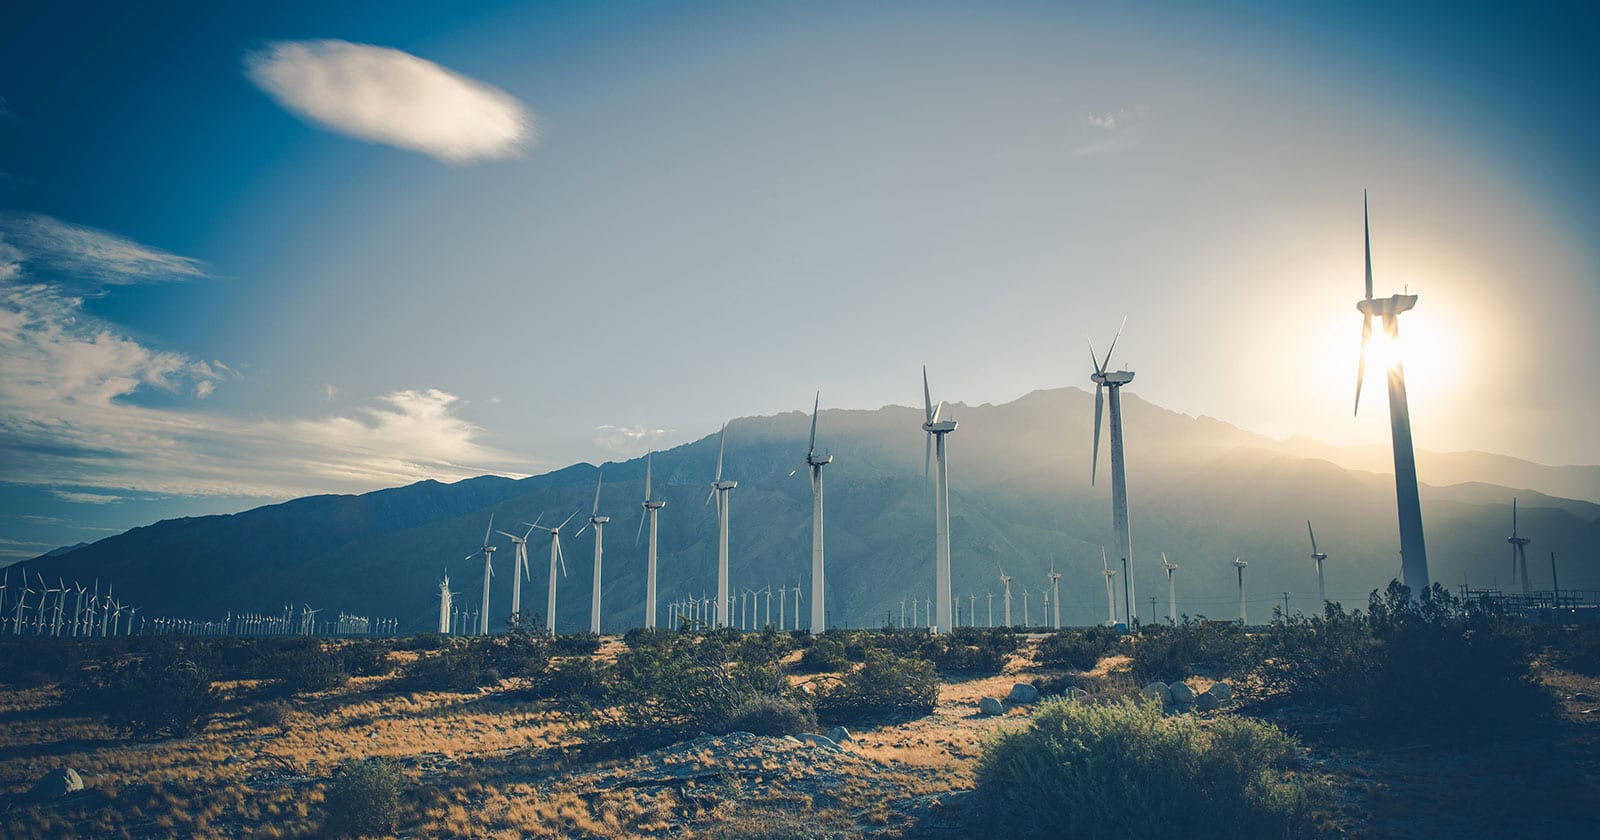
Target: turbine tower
(444,604)
(651,507)
(599,523)
(1172,590)
(1322,592)
(816,463)
(1104,378)
(1519,556)
(1413,550)
(1111,593)
(720,489)
(1055,597)
(488,572)
(519,569)
(555,557)
(1005,581)
(1239,565)
(937,429)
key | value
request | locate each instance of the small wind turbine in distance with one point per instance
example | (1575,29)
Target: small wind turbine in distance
(519,569)
(444,604)
(720,490)
(1413,549)
(1005,581)
(555,557)
(1055,597)
(599,523)
(1172,590)
(1111,593)
(1025,606)
(815,463)
(488,572)
(651,507)
(1322,591)
(1239,565)
(1519,556)
(937,429)
(1103,378)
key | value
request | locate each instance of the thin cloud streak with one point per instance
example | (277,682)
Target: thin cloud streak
(383,95)
(628,441)
(86,254)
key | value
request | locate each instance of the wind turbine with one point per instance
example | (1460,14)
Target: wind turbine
(1111,595)
(555,556)
(720,489)
(1024,606)
(796,592)
(1005,581)
(1055,597)
(1322,592)
(1413,549)
(991,610)
(444,604)
(816,463)
(783,592)
(488,572)
(22,606)
(1519,554)
(599,523)
(1240,564)
(1104,378)
(1172,590)
(937,429)
(519,569)
(651,508)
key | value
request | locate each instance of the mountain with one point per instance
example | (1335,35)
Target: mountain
(1200,490)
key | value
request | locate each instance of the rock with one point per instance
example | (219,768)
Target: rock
(1222,691)
(990,706)
(1583,697)
(56,784)
(822,741)
(1181,693)
(1077,695)
(839,735)
(791,739)
(1159,691)
(1023,693)
(1206,702)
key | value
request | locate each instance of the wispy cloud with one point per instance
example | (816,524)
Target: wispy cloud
(383,95)
(86,498)
(85,254)
(629,441)
(1109,131)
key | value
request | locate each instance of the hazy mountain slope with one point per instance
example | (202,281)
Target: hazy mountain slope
(1202,491)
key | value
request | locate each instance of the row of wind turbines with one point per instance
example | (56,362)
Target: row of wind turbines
(99,616)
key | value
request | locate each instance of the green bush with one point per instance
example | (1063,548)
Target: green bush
(272,713)
(579,679)
(884,687)
(1122,770)
(1220,648)
(153,697)
(367,659)
(825,654)
(364,798)
(771,715)
(459,667)
(303,670)
(1080,650)
(686,685)
(575,644)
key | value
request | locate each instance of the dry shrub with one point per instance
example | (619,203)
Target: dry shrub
(364,798)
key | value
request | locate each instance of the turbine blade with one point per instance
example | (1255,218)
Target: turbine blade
(513,537)
(1513,516)
(584,528)
(565,521)
(637,534)
(722,439)
(1313,536)
(647,475)
(927,455)
(488,529)
(712,493)
(598,481)
(1107,363)
(938,410)
(1366,221)
(812,448)
(1099,408)
(1361,366)
(561,558)
(927,397)
(1094,358)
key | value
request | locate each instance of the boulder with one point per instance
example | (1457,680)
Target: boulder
(1159,691)
(839,735)
(821,741)
(56,784)
(1222,691)
(1206,702)
(1023,693)
(1077,695)
(1181,693)
(990,706)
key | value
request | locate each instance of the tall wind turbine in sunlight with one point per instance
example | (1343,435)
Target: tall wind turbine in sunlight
(555,557)
(1413,550)
(1519,554)
(519,569)
(1239,565)
(1005,581)
(937,429)
(599,523)
(816,463)
(488,572)
(1114,379)
(651,507)
(1318,556)
(1172,590)
(444,604)
(720,489)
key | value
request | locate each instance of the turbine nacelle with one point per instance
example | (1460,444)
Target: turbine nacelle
(1386,307)
(1112,377)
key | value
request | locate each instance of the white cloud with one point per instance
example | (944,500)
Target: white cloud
(86,498)
(628,441)
(86,255)
(1109,131)
(383,95)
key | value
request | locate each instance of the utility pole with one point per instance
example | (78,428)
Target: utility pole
(1152,605)
(1555,581)
(1285,605)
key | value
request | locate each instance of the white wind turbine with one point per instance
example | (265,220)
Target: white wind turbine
(1172,592)
(937,429)
(488,572)
(555,557)
(796,592)
(1055,597)
(599,523)
(5,581)
(1104,378)
(651,508)
(1240,564)
(22,606)
(991,610)
(815,463)
(61,600)
(519,569)
(77,608)
(1111,596)
(1322,592)
(1024,606)
(783,591)
(444,604)
(720,489)
(1005,581)
(1519,546)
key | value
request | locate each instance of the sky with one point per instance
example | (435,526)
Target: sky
(253,251)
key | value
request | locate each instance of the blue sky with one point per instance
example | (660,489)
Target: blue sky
(586,230)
